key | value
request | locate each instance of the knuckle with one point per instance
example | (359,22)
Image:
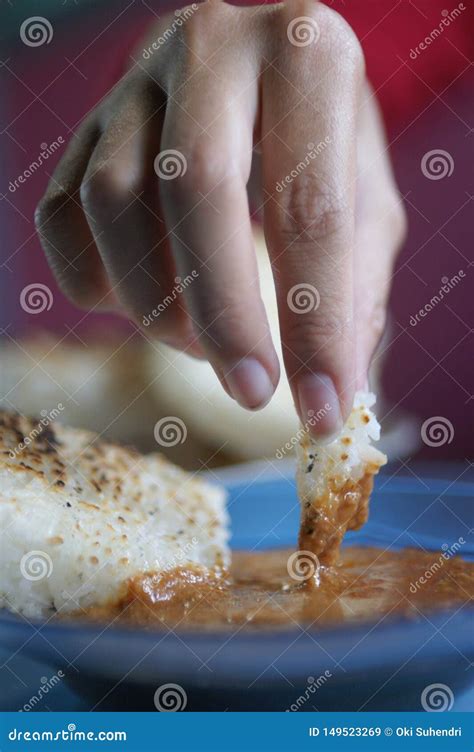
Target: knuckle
(208,15)
(314,337)
(341,40)
(320,328)
(42,214)
(107,190)
(206,24)
(330,36)
(310,212)
(221,322)
(205,170)
(392,213)
(373,320)
(398,223)
(53,209)
(94,190)
(189,33)
(215,314)
(378,320)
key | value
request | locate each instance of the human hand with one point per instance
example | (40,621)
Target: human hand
(154,186)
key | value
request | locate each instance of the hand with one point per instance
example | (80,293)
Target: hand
(153,187)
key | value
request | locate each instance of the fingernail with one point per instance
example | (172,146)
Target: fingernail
(319,405)
(249,383)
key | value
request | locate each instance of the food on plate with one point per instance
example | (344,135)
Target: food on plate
(80,518)
(92,530)
(335,480)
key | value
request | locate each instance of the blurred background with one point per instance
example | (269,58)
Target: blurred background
(109,376)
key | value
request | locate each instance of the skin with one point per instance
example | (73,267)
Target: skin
(231,92)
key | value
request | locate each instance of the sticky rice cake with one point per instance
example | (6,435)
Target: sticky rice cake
(80,518)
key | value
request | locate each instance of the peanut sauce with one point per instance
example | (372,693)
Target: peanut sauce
(260,593)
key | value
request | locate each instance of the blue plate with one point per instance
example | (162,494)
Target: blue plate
(384,665)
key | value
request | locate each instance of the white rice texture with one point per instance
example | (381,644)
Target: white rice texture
(80,518)
(327,467)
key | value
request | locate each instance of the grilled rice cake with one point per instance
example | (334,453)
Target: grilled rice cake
(80,518)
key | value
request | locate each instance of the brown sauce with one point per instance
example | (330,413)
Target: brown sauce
(258,593)
(325,521)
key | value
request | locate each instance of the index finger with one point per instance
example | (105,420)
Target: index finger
(209,124)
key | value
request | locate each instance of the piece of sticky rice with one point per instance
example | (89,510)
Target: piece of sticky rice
(335,481)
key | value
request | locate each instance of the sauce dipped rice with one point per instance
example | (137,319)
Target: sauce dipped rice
(335,481)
